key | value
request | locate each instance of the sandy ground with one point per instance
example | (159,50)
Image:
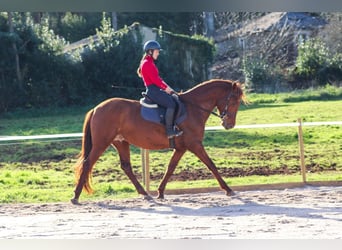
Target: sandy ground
(302,213)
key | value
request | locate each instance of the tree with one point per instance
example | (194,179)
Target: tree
(187,23)
(209,24)
(114,20)
(317,65)
(331,34)
(15,49)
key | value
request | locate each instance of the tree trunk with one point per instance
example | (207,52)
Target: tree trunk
(37,17)
(15,49)
(114,21)
(209,25)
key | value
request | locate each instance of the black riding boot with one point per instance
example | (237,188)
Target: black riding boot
(170,131)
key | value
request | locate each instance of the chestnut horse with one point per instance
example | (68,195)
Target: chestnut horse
(118,122)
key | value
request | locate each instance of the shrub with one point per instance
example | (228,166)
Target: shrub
(315,64)
(110,64)
(261,76)
(104,68)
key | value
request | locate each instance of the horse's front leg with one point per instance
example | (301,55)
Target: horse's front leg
(125,161)
(200,152)
(177,155)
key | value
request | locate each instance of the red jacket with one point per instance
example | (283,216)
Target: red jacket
(150,73)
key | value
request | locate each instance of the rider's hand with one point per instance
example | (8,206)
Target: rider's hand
(169,90)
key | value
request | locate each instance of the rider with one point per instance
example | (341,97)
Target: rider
(158,90)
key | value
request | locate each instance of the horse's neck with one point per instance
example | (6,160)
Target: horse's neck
(204,96)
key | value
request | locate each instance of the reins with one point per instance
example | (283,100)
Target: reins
(203,109)
(221,116)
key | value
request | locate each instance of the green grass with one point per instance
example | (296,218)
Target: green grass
(43,121)
(50,186)
(35,171)
(254,180)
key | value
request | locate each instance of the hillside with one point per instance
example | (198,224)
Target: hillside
(273,37)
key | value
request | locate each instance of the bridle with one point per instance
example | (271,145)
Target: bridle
(225,110)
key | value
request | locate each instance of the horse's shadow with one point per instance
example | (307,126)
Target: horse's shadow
(245,207)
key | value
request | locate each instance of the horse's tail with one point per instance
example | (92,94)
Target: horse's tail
(82,168)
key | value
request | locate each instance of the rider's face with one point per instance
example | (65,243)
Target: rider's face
(155,54)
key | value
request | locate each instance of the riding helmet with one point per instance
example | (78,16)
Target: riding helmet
(151,44)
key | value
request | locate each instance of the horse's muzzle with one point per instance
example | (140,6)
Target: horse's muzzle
(228,126)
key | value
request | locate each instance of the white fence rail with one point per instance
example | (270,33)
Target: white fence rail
(38,137)
(213,128)
(278,125)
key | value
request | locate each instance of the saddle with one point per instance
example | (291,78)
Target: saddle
(152,112)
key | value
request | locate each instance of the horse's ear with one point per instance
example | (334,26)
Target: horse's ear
(236,85)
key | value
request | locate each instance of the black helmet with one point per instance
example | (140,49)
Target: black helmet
(151,44)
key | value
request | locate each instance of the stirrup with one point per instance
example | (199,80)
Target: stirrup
(175,133)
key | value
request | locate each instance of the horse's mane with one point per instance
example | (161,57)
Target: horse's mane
(238,89)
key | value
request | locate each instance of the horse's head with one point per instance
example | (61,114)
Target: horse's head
(229,104)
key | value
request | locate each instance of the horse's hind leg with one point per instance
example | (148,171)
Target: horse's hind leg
(125,161)
(200,152)
(84,178)
(177,155)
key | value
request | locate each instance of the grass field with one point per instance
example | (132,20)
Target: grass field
(42,171)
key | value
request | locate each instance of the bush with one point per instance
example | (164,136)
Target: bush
(117,56)
(105,68)
(316,65)
(110,65)
(334,71)
(185,60)
(73,27)
(261,76)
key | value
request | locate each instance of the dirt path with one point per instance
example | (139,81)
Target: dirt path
(302,213)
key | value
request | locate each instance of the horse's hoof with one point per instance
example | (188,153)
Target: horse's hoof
(147,197)
(160,197)
(75,202)
(230,193)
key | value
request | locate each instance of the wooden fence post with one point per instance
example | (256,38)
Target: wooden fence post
(142,153)
(145,158)
(301,149)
